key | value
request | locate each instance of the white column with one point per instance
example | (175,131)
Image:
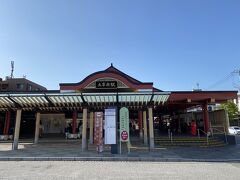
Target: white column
(84,130)
(151,129)
(91,128)
(37,128)
(17,129)
(145,128)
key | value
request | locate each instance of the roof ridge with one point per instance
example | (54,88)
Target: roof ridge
(119,71)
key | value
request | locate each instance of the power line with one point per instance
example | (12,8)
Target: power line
(231,75)
(236,80)
(220,81)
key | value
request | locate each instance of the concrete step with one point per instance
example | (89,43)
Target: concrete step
(184,141)
(189,141)
(190,145)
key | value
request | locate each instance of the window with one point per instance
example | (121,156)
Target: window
(4,86)
(30,87)
(20,86)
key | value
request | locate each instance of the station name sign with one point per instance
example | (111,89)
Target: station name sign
(106,84)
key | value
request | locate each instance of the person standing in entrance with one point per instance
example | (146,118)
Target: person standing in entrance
(193,128)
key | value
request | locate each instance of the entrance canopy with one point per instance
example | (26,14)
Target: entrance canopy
(56,100)
(110,87)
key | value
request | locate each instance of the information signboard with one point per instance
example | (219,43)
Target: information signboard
(110,126)
(124,124)
(98,131)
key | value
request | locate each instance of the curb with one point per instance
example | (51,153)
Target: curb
(135,159)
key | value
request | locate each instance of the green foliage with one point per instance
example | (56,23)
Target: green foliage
(231,108)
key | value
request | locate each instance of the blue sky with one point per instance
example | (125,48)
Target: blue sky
(173,44)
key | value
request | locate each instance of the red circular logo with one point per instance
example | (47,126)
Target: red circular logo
(124,135)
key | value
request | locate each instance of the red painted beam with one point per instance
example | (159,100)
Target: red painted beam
(202,96)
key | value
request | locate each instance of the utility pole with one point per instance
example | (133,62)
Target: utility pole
(12,69)
(236,82)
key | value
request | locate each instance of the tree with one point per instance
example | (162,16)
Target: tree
(231,108)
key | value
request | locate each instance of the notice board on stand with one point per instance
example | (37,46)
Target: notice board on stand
(110,126)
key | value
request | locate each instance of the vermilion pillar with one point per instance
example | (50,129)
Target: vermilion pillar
(7,123)
(74,122)
(205,117)
(140,122)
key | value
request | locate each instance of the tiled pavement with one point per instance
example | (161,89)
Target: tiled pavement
(61,150)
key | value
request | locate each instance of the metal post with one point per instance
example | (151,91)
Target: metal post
(120,146)
(198,133)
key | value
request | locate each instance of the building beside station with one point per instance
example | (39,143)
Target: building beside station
(151,110)
(237,101)
(19,84)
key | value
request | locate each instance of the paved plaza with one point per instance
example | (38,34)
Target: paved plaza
(71,150)
(117,170)
(64,160)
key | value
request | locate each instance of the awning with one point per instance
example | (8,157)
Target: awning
(59,101)
(126,98)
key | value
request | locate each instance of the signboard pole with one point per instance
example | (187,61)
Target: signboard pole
(124,127)
(120,147)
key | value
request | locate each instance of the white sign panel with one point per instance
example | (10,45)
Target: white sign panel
(110,126)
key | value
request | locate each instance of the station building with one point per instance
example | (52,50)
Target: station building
(152,112)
